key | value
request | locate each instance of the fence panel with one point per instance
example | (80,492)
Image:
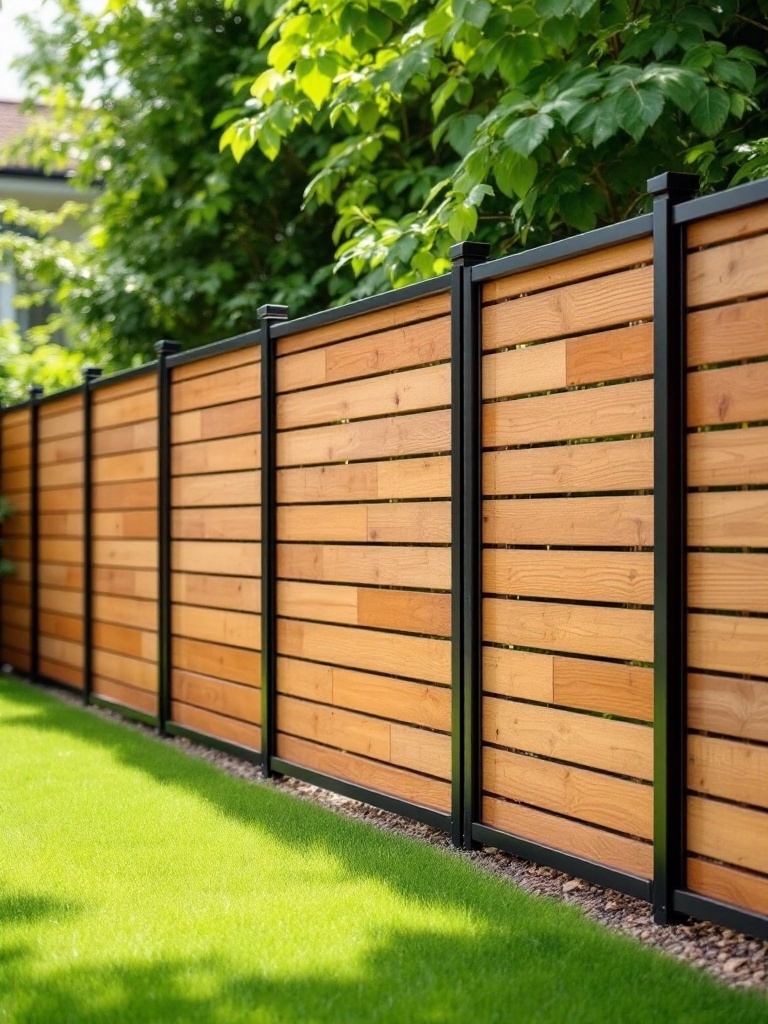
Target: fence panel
(124,526)
(363,559)
(15,484)
(727,561)
(567,424)
(215,549)
(61,570)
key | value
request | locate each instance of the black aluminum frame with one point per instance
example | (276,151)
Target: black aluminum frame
(90,376)
(271,316)
(669,556)
(164,349)
(35,394)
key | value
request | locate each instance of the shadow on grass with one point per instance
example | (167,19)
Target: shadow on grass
(518,959)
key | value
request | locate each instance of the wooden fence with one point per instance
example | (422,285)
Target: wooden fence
(490,551)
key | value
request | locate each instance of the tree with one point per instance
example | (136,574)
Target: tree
(183,242)
(514,121)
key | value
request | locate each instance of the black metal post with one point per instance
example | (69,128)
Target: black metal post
(268,315)
(670,563)
(466,538)
(91,374)
(35,394)
(164,349)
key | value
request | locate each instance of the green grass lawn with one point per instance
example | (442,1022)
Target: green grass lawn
(140,884)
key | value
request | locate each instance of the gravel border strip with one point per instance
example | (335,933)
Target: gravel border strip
(736,960)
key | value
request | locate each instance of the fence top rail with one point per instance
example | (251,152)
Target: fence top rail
(396,297)
(721,202)
(123,375)
(216,348)
(56,395)
(565,248)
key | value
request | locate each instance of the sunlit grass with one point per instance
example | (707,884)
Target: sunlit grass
(140,884)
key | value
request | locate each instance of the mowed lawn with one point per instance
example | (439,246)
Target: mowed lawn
(140,884)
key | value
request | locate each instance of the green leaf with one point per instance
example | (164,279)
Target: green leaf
(682,86)
(515,174)
(710,113)
(527,133)
(462,131)
(226,115)
(462,222)
(734,72)
(638,109)
(315,78)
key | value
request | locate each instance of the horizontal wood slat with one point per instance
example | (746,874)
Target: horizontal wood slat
(232,385)
(220,626)
(428,341)
(728,519)
(728,643)
(729,770)
(728,458)
(225,489)
(586,841)
(127,696)
(244,734)
(231,663)
(216,422)
(613,521)
(727,333)
(731,271)
(730,582)
(236,592)
(728,884)
(412,522)
(220,456)
(625,577)
(429,568)
(240,522)
(210,365)
(724,832)
(217,695)
(733,707)
(375,775)
(369,481)
(228,558)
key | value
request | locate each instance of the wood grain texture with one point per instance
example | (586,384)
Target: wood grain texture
(52,524)
(69,499)
(334,727)
(226,489)
(421,751)
(569,415)
(750,220)
(232,663)
(235,385)
(610,355)
(69,674)
(60,626)
(572,309)
(728,458)
(625,577)
(220,626)
(576,268)
(411,657)
(242,594)
(735,835)
(728,519)
(600,521)
(728,643)
(219,456)
(725,334)
(388,318)
(222,558)
(125,554)
(602,466)
(604,686)
(125,611)
(216,421)
(61,474)
(53,575)
(727,272)
(577,629)
(65,551)
(116,412)
(368,481)
(729,582)
(594,844)
(241,522)
(520,674)
(428,341)
(424,433)
(732,707)
(135,643)
(66,449)
(244,734)
(217,695)
(119,497)
(125,467)
(522,371)
(576,792)
(135,672)
(133,437)
(413,522)
(209,365)
(388,395)
(140,583)
(119,389)
(379,565)
(401,610)
(731,394)
(128,696)
(397,699)
(612,746)
(375,775)
(728,769)
(728,884)
(133,525)
(66,424)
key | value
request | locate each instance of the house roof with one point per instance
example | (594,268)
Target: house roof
(13,123)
